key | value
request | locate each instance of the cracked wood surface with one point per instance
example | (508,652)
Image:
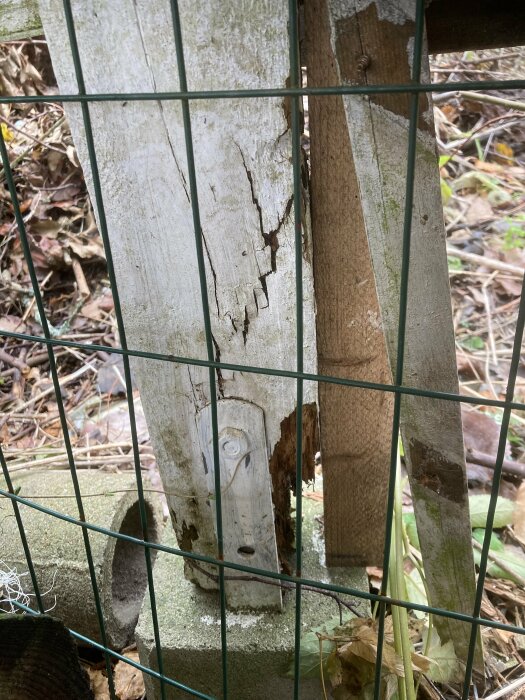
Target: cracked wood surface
(355,424)
(372,43)
(244,173)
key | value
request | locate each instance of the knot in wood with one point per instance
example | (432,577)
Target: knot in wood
(363,62)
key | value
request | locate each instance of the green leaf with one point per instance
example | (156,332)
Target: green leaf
(409,520)
(416,592)
(479,506)
(512,558)
(473,180)
(473,343)
(444,666)
(514,238)
(309,654)
(496,545)
(499,197)
(454,263)
(446,190)
(443,160)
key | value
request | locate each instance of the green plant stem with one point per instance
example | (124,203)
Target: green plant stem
(321,668)
(417,564)
(491,99)
(401,685)
(397,582)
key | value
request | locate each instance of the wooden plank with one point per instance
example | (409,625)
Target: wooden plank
(19,19)
(244,172)
(451,25)
(372,44)
(246,494)
(355,425)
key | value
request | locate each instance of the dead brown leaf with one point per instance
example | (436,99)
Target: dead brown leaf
(98,683)
(12,324)
(480,431)
(469,367)
(508,286)
(479,210)
(129,684)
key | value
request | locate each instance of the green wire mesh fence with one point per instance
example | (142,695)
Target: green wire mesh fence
(295,93)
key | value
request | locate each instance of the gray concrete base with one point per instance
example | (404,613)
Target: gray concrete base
(260,644)
(59,555)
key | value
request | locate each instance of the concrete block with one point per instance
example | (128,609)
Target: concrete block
(260,644)
(58,552)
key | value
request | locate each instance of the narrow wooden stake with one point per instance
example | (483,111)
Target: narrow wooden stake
(373,43)
(355,425)
(244,177)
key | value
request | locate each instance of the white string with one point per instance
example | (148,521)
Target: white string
(12,590)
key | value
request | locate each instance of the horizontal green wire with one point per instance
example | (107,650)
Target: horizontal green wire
(274,372)
(334,588)
(268,92)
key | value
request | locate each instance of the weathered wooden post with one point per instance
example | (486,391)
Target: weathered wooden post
(243,157)
(355,424)
(372,43)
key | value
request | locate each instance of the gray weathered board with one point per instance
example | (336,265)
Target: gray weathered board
(372,43)
(244,173)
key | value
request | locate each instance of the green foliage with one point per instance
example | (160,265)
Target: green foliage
(416,592)
(515,438)
(473,343)
(446,191)
(513,559)
(514,236)
(309,655)
(478,181)
(409,520)
(479,506)
(454,263)
(444,666)
(496,545)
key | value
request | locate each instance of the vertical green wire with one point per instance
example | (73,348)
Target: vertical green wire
(60,405)
(509,395)
(22,533)
(295,81)
(186,116)
(121,329)
(401,331)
